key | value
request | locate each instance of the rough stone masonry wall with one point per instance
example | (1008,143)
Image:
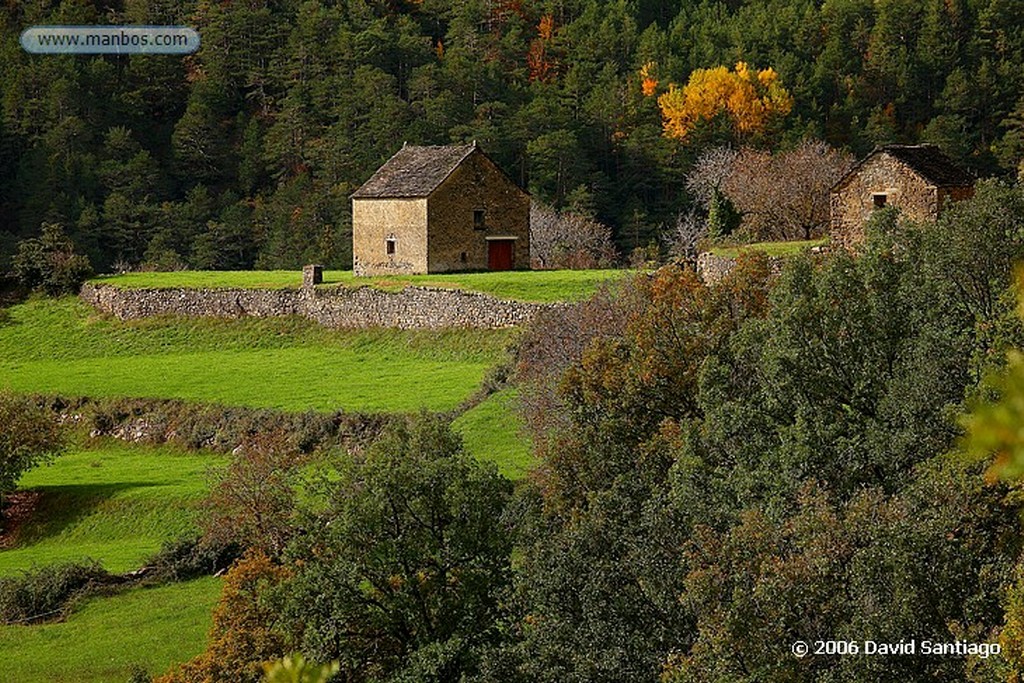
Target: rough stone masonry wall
(852,204)
(341,307)
(711,268)
(476,184)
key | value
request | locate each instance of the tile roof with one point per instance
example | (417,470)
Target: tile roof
(414,171)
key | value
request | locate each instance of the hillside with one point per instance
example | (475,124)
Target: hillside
(109,639)
(111,502)
(245,156)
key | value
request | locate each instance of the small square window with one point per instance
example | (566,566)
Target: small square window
(478,219)
(879,198)
(390,242)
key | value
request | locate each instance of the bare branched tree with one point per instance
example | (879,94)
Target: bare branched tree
(688,230)
(568,240)
(253,499)
(785,195)
(709,174)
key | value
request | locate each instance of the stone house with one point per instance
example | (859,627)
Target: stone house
(438,209)
(919,180)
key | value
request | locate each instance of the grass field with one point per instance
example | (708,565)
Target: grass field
(104,638)
(290,364)
(493,432)
(533,286)
(771,248)
(109,501)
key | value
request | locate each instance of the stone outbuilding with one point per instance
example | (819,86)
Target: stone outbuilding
(919,180)
(438,209)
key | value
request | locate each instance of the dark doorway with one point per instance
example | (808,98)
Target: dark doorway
(499,254)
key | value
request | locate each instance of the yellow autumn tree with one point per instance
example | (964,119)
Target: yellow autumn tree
(750,98)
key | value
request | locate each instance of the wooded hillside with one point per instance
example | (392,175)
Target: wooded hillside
(244,154)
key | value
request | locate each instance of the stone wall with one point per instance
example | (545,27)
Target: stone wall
(335,307)
(476,185)
(377,220)
(711,268)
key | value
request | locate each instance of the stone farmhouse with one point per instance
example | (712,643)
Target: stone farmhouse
(919,180)
(438,209)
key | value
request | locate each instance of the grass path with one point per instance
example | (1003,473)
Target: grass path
(290,364)
(104,638)
(540,286)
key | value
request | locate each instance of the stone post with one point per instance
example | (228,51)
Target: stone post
(312,275)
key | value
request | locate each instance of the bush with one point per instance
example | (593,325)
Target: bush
(137,673)
(254,498)
(49,262)
(44,594)
(189,558)
(29,434)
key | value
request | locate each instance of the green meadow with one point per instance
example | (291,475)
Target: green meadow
(492,431)
(109,501)
(106,639)
(790,248)
(118,504)
(532,286)
(289,363)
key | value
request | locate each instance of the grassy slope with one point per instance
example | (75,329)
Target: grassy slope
(493,432)
(291,364)
(771,248)
(537,286)
(101,641)
(112,502)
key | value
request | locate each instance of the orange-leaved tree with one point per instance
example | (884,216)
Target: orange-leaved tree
(242,638)
(750,99)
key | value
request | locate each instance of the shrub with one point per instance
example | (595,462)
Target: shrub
(44,594)
(253,500)
(49,262)
(29,434)
(189,558)
(137,673)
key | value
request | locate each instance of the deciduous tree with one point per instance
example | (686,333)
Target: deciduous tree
(401,574)
(29,435)
(749,99)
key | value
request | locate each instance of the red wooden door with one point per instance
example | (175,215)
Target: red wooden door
(499,254)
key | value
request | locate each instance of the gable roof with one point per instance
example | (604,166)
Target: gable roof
(414,171)
(927,161)
(931,164)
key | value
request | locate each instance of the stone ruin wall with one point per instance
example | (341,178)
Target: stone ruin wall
(340,307)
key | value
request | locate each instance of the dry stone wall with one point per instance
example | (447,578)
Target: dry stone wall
(712,268)
(340,307)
